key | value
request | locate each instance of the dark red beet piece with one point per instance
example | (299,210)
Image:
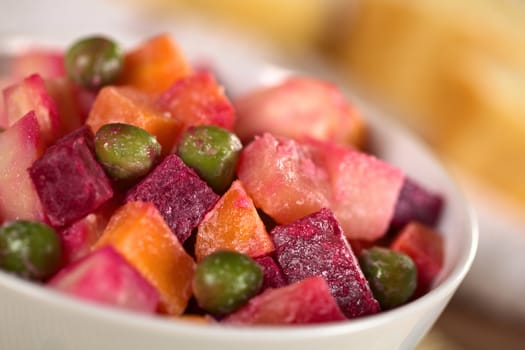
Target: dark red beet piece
(69,180)
(315,246)
(305,302)
(178,193)
(415,203)
(273,276)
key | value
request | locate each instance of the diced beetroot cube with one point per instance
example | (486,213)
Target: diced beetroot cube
(21,145)
(105,277)
(68,179)
(273,276)
(31,95)
(425,247)
(78,238)
(304,302)
(178,194)
(416,203)
(315,246)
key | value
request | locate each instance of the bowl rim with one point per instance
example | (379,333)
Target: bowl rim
(152,323)
(159,324)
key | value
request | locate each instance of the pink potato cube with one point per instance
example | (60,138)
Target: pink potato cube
(300,107)
(282,178)
(69,180)
(73,102)
(28,95)
(315,246)
(4,82)
(21,146)
(364,189)
(289,179)
(304,302)
(46,62)
(78,239)
(105,277)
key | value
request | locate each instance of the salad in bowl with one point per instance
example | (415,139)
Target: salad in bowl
(144,204)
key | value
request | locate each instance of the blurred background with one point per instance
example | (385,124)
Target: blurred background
(452,71)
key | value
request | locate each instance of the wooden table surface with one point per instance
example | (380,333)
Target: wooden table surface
(465,328)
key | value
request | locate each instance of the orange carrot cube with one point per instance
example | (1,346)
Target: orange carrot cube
(155,65)
(131,106)
(139,233)
(198,100)
(233,224)
(198,319)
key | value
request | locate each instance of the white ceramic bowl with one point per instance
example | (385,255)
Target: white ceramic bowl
(32,317)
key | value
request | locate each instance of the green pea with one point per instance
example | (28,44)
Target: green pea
(125,151)
(93,62)
(392,275)
(30,249)
(212,152)
(226,280)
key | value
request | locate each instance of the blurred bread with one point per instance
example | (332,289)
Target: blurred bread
(294,24)
(455,71)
